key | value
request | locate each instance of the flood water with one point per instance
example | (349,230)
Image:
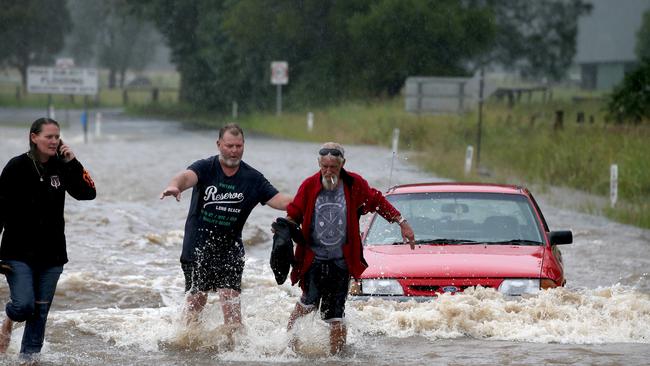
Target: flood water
(120,297)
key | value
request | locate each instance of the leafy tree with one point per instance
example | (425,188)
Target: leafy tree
(335,49)
(179,23)
(631,99)
(32,32)
(537,37)
(395,39)
(311,35)
(643,38)
(106,33)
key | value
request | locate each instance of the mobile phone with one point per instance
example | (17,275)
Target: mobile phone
(59,154)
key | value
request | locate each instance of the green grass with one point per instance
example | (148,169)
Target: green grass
(106,98)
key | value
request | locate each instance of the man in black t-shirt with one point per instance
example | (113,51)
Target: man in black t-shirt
(225,191)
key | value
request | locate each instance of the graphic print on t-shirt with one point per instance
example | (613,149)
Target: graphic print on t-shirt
(221,204)
(218,204)
(329,218)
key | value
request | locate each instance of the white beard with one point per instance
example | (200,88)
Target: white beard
(330,183)
(230,163)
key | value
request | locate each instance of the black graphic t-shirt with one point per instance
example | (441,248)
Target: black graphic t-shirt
(220,206)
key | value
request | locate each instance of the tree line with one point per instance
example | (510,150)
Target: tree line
(336,50)
(354,49)
(103,33)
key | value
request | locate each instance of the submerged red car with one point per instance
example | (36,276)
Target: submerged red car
(467,234)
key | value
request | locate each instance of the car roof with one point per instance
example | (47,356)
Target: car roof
(458,187)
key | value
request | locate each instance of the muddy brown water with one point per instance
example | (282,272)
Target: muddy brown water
(119,298)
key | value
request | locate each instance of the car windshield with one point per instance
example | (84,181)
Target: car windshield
(460,218)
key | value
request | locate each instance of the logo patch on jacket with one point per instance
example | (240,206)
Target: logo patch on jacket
(54,181)
(88,179)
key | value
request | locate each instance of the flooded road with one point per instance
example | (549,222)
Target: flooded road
(119,299)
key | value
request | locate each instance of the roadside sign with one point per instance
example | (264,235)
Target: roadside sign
(279,73)
(52,80)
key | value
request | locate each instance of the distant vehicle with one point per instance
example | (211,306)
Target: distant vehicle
(468,234)
(140,81)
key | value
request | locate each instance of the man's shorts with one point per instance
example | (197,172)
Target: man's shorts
(214,269)
(327,283)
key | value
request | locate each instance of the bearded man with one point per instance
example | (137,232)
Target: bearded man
(328,205)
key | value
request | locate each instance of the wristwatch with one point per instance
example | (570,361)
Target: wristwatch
(401,220)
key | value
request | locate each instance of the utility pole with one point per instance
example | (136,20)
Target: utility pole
(480,119)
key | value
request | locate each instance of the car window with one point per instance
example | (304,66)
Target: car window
(476,217)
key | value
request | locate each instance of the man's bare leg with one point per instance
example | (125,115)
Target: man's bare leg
(231,307)
(338,335)
(194,305)
(5,334)
(298,312)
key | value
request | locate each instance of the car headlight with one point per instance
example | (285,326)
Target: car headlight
(519,286)
(383,286)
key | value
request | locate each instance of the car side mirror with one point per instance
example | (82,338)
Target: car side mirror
(560,237)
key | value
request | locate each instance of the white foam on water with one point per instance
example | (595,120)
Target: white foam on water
(606,315)
(594,316)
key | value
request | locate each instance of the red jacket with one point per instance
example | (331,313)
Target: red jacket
(360,199)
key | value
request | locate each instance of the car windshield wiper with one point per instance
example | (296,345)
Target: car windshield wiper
(441,241)
(515,241)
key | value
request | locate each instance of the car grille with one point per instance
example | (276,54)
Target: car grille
(434,287)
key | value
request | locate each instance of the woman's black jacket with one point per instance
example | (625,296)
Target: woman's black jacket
(31,207)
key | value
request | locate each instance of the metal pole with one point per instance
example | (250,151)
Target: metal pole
(85,124)
(392,161)
(278,106)
(480,119)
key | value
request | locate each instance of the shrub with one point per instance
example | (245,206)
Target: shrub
(630,100)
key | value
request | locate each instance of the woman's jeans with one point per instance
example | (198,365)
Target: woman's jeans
(32,288)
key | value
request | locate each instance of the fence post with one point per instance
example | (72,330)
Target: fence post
(98,124)
(613,184)
(310,121)
(559,120)
(469,155)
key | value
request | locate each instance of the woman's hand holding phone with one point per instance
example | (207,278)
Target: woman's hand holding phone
(64,152)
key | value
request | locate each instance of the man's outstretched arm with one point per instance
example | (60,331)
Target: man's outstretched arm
(280,201)
(179,183)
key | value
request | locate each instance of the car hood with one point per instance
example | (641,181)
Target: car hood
(442,261)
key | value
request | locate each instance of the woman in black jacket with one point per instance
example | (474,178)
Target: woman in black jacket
(33,249)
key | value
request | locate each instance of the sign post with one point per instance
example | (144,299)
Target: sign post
(279,77)
(480,119)
(64,80)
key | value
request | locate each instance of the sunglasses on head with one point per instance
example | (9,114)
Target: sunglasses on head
(328,151)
